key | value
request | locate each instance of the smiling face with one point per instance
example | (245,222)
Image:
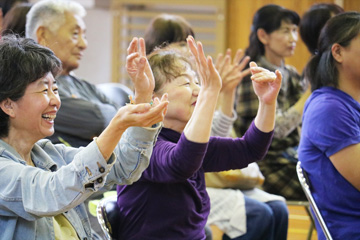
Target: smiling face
(280,43)
(32,116)
(69,42)
(182,91)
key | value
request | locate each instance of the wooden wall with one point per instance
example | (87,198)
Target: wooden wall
(241,12)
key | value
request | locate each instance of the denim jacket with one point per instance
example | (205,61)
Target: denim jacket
(63,178)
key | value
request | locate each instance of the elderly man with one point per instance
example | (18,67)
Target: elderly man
(85,111)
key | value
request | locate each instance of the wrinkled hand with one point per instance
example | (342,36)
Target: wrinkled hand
(209,76)
(266,84)
(142,115)
(140,71)
(231,72)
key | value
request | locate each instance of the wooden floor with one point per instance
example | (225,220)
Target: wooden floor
(299,223)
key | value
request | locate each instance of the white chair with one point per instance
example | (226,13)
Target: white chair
(305,184)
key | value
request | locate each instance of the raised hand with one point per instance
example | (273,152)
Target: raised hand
(139,115)
(266,84)
(142,115)
(209,76)
(139,71)
(231,72)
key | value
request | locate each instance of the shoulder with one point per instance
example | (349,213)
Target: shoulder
(331,107)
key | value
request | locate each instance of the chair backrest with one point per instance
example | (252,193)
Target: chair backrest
(305,184)
(108,215)
(116,92)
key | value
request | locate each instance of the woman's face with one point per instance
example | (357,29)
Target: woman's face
(281,43)
(349,55)
(34,113)
(182,92)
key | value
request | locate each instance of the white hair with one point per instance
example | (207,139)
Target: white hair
(50,14)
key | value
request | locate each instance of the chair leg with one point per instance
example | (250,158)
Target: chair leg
(311,228)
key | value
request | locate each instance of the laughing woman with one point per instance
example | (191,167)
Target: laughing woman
(170,199)
(44,185)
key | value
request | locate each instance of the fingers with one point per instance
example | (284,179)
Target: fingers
(238,56)
(138,108)
(155,115)
(131,57)
(142,48)
(202,57)
(219,60)
(225,64)
(133,46)
(244,62)
(264,76)
(278,76)
(141,67)
(252,64)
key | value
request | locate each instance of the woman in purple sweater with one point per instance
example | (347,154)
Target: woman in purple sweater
(170,199)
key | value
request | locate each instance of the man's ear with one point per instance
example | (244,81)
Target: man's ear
(42,34)
(336,51)
(7,106)
(262,36)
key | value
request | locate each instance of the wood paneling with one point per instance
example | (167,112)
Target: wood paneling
(352,5)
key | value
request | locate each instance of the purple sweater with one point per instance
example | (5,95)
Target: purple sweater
(170,199)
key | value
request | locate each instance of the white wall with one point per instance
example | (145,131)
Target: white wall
(95,66)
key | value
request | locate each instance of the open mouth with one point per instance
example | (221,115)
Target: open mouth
(48,117)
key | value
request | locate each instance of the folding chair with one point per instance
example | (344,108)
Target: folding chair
(108,215)
(305,184)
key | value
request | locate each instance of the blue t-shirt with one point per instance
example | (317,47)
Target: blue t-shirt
(331,122)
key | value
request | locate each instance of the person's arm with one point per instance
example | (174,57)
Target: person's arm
(198,127)
(346,161)
(266,86)
(140,71)
(231,74)
(289,120)
(81,171)
(331,129)
(222,124)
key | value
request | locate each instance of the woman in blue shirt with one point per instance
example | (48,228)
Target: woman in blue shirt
(330,138)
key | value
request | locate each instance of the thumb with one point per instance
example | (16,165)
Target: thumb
(278,75)
(252,64)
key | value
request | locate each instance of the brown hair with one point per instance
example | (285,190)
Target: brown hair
(165,29)
(164,63)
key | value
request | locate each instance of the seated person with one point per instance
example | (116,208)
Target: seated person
(239,209)
(59,25)
(272,39)
(314,20)
(329,148)
(170,200)
(14,21)
(165,29)
(44,185)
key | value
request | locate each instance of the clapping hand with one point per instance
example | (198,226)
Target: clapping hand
(231,72)
(266,84)
(209,76)
(140,71)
